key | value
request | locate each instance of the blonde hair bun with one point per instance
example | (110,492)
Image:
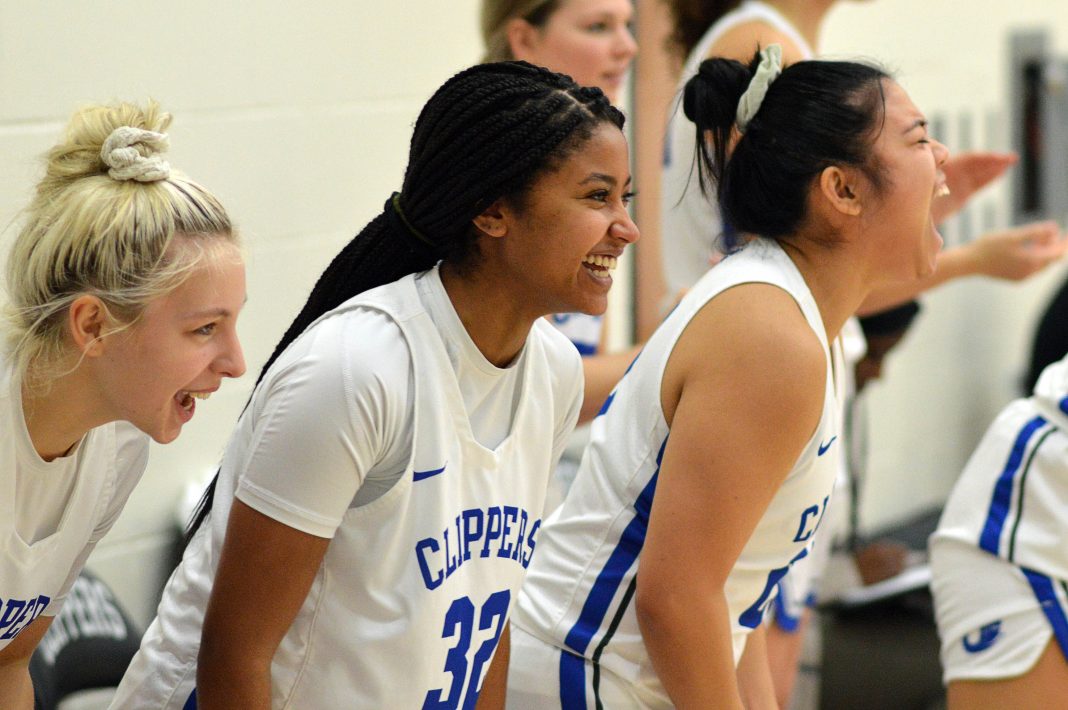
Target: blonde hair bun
(134,154)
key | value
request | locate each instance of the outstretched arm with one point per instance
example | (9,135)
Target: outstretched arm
(15,685)
(966,174)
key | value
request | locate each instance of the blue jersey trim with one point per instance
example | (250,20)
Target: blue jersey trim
(990,538)
(585,349)
(191,703)
(572,681)
(783,618)
(1046,594)
(595,609)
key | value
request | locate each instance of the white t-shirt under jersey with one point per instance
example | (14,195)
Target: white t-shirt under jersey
(690,223)
(54,512)
(383,428)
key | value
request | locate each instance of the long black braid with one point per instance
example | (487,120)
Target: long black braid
(488,133)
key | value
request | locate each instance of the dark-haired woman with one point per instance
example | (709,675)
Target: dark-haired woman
(694,232)
(380,500)
(713,461)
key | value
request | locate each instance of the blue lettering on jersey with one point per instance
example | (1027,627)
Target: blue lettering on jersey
(811,518)
(17,614)
(505,531)
(823,447)
(984,638)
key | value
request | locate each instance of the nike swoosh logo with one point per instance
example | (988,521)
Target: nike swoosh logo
(423,475)
(974,643)
(824,447)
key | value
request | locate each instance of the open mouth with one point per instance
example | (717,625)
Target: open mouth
(186,400)
(600,265)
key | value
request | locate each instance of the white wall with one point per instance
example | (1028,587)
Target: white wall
(963,359)
(298,115)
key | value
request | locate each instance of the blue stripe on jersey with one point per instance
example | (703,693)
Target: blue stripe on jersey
(1051,605)
(585,349)
(783,618)
(423,475)
(1063,404)
(594,611)
(191,703)
(990,538)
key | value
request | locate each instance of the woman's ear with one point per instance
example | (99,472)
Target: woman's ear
(522,38)
(86,319)
(841,189)
(493,222)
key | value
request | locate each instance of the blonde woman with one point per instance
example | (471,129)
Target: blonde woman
(124,285)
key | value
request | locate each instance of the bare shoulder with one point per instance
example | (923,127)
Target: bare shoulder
(752,340)
(742,41)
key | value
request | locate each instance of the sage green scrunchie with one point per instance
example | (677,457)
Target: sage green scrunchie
(767,71)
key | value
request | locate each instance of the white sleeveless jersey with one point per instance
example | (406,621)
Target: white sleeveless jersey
(35,575)
(416,586)
(690,223)
(578,595)
(1012,498)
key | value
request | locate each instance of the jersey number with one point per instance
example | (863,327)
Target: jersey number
(459,623)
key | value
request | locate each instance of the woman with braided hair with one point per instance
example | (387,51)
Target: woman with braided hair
(124,285)
(380,500)
(590,41)
(711,464)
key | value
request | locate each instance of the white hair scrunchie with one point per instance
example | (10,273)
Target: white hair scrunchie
(767,71)
(125,161)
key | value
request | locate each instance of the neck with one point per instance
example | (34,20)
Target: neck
(59,416)
(494,318)
(806,16)
(831,273)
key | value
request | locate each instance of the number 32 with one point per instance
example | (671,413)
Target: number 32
(460,622)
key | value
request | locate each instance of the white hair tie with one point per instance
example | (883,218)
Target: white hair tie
(767,71)
(121,155)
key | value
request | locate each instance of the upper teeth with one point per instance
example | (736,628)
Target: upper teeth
(199,395)
(607,262)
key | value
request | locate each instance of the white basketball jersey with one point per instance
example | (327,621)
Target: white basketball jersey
(579,591)
(36,574)
(690,221)
(1012,498)
(416,586)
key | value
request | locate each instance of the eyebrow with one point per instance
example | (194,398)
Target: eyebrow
(212,312)
(918,123)
(602,177)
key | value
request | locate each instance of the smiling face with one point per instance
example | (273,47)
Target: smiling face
(910,161)
(563,242)
(179,350)
(590,40)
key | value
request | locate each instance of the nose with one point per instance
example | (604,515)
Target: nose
(941,152)
(624,228)
(626,45)
(231,361)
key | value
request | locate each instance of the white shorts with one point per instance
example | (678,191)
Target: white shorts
(534,680)
(994,618)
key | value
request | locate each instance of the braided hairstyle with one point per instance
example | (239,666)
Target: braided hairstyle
(816,114)
(487,134)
